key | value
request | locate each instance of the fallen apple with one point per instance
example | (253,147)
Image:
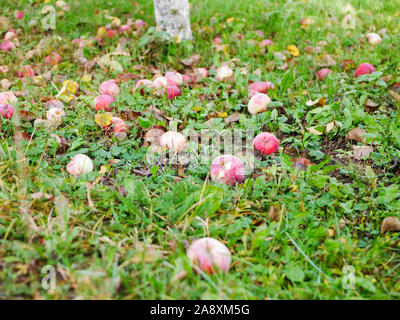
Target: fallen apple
(109,87)
(266,143)
(210,255)
(103,102)
(258,103)
(227,169)
(173,140)
(80,164)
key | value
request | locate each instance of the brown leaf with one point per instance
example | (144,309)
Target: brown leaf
(371,106)
(361,152)
(390,224)
(356,134)
(301,163)
(129,115)
(234,117)
(21,135)
(125,77)
(273,213)
(193,60)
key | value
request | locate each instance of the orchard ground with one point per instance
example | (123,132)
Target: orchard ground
(293,234)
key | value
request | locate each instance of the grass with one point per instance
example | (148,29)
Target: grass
(133,245)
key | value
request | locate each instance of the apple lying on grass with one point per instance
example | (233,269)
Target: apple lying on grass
(210,255)
(266,143)
(259,103)
(103,102)
(227,169)
(6,111)
(80,164)
(173,140)
(109,87)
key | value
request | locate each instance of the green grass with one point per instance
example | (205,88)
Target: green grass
(98,251)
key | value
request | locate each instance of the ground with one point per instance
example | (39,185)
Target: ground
(293,234)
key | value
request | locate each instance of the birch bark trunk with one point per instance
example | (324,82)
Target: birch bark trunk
(173,16)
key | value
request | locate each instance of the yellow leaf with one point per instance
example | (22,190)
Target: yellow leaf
(103,119)
(230,19)
(293,50)
(197,109)
(222,114)
(86,78)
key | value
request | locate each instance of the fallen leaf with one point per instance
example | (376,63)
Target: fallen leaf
(273,214)
(293,50)
(320,102)
(361,152)
(390,224)
(371,106)
(232,117)
(103,119)
(356,134)
(193,60)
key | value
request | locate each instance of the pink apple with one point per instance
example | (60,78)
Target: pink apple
(217,40)
(142,84)
(173,140)
(260,87)
(19,14)
(227,169)
(210,255)
(53,59)
(26,72)
(6,111)
(200,73)
(55,114)
(54,103)
(172,92)
(111,33)
(80,164)
(140,24)
(109,87)
(188,79)
(258,103)
(266,143)
(8,98)
(174,78)
(321,74)
(364,68)
(373,38)
(103,101)
(118,124)
(10,35)
(265,43)
(224,72)
(7,46)
(260,33)
(160,82)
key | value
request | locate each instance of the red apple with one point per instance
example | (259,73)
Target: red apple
(109,87)
(6,111)
(103,101)
(210,255)
(321,74)
(227,169)
(266,143)
(364,68)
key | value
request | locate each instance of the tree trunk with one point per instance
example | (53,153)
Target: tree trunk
(173,16)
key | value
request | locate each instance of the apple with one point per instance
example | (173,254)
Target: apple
(109,87)
(118,124)
(265,43)
(200,73)
(224,72)
(227,169)
(142,84)
(19,15)
(52,59)
(364,68)
(210,255)
(6,111)
(259,103)
(55,114)
(173,140)
(7,46)
(80,164)
(8,98)
(260,87)
(172,91)
(321,74)
(140,24)
(26,72)
(373,38)
(103,101)
(54,103)
(174,78)
(266,143)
